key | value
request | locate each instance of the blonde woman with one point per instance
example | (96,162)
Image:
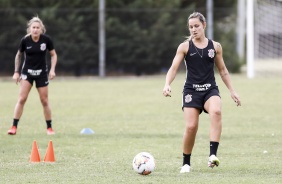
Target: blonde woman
(34,46)
(200,92)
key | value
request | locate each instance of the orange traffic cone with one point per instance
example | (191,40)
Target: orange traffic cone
(50,156)
(34,156)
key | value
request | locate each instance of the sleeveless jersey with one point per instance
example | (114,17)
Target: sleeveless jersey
(35,55)
(200,67)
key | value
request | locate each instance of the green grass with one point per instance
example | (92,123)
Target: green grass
(130,115)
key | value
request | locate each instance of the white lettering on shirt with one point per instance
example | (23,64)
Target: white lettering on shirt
(201,87)
(34,72)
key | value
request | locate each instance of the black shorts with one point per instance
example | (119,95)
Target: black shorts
(197,99)
(41,81)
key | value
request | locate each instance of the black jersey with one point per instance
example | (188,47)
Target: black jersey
(35,55)
(200,67)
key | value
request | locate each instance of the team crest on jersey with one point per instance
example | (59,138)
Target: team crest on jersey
(188,98)
(211,53)
(43,46)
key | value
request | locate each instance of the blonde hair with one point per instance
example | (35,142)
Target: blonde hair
(35,19)
(195,15)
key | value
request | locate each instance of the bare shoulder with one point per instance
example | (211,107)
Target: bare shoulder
(183,47)
(217,46)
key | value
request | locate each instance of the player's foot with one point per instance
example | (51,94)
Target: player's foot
(50,131)
(13,130)
(213,161)
(185,169)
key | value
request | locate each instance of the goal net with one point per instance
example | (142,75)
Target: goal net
(268,36)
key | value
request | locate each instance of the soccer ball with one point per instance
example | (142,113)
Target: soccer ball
(143,163)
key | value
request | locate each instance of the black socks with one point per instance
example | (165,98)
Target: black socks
(186,159)
(213,150)
(49,123)
(213,147)
(15,122)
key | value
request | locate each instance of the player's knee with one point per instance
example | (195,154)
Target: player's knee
(191,127)
(215,112)
(22,100)
(44,102)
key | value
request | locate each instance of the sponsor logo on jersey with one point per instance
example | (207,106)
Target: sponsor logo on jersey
(34,72)
(201,87)
(211,53)
(43,46)
(29,47)
(188,98)
(192,54)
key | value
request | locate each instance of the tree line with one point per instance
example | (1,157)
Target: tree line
(141,35)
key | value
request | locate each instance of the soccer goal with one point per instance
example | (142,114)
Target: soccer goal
(267,37)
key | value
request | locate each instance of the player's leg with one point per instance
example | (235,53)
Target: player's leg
(42,88)
(43,95)
(25,87)
(191,116)
(213,107)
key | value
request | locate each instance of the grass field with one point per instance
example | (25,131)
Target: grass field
(130,115)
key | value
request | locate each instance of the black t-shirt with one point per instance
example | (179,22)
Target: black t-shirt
(35,55)
(200,67)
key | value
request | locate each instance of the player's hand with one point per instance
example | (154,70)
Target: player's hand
(52,75)
(167,91)
(236,98)
(16,77)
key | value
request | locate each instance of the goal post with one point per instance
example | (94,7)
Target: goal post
(250,38)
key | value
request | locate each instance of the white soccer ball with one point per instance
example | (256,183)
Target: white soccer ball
(143,163)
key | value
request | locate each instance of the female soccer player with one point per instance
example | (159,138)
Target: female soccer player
(200,91)
(34,46)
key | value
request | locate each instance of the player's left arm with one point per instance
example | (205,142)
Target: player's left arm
(52,73)
(224,73)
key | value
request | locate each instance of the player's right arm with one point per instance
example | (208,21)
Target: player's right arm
(18,60)
(178,58)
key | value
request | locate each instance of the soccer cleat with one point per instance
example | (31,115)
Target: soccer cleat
(13,130)
(50,131)
(213,161)
(185,169)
